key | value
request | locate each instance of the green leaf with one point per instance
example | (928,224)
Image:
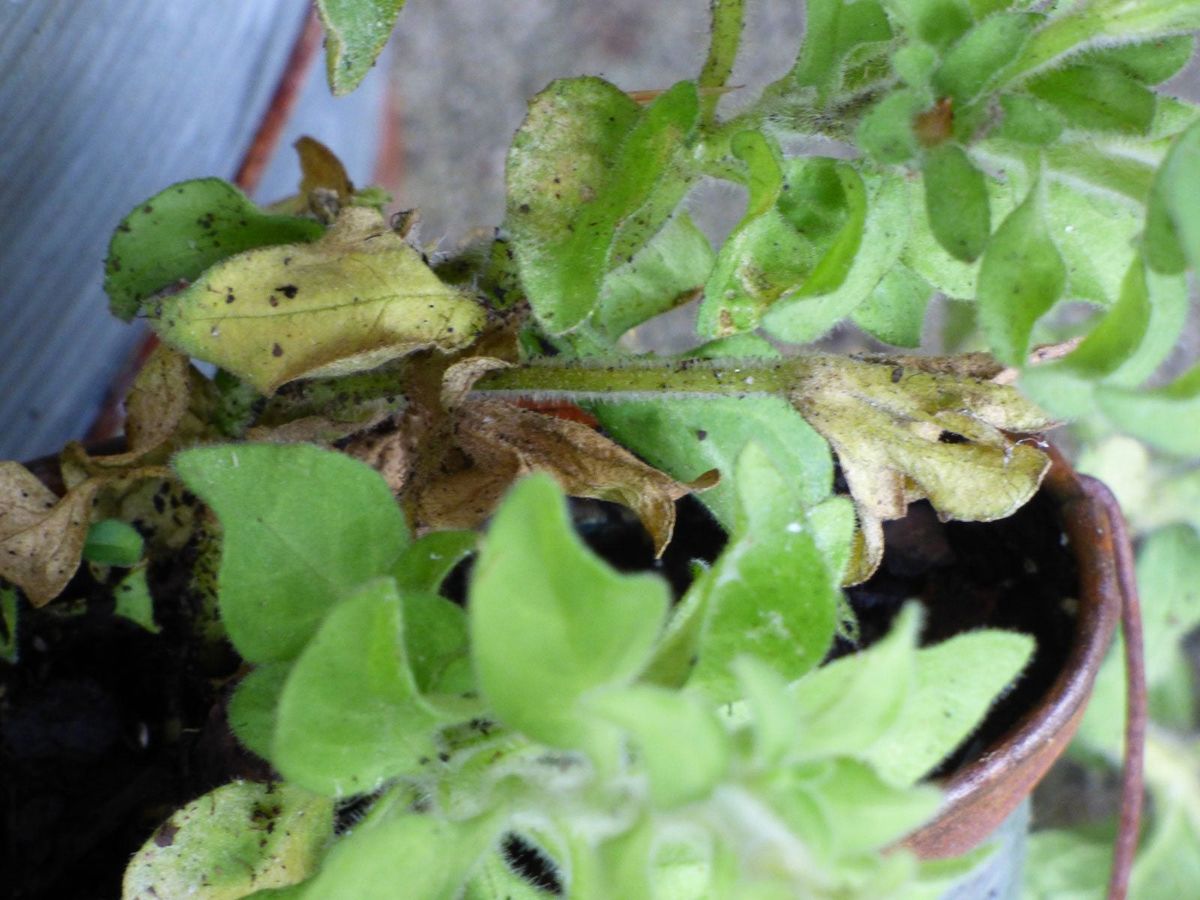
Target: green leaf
(827,201)
(670,269)
(355,34)
(133,601)
(426,855)
(112,542)
(1172,220)
(833,31)
(9,644)
(1020,278)
(886,131)
(356,298)
(253,709)
(183,230)
(688,437)
(1097,98)
(895,311)
(350,716)
(956,683)
(1096,234)
(1028,120)
(764,256)
(232,841)
(800,318)
(302,527)
(1156,415)
(846,706)
(772,593)
(956,201)
(435,639)
(591,178)
(550,622)
(981,54)
(426,562)
(774,717)
(937,22)
(668,728)
(1150,62)
(1119,333)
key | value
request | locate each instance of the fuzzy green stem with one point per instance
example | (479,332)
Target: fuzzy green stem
(666,379)
(727,16)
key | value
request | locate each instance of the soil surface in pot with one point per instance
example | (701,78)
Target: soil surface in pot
(105,728)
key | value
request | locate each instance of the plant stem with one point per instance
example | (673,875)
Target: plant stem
(661,379)
(727,16)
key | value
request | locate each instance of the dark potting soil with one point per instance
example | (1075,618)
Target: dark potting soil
(105,729)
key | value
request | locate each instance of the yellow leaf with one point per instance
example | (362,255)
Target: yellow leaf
(350,301)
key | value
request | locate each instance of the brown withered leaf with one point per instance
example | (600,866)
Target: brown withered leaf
(501,442)
(910,428)
(41,535)
(451,465)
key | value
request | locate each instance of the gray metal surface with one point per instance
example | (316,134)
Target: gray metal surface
(104,103)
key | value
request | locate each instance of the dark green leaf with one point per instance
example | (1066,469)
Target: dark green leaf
(1020,278)
(355,34)
(301,527)
(426,562)
(112,542)
(8,624)
(591,178)
(981,54)
(895,311)
(350,715)
(833,29)
(549,621)
(827,202)
(937,22)
(1097,98)
(956,201)
(435,639)
(181,231)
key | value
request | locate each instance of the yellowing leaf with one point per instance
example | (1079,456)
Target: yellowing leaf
(41,535)
(911,428)
(354,299)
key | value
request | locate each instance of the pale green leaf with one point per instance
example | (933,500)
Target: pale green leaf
(356,298)
(132,600)
(802,318)
(981,54)
(952,693)
(1173,219)
(886,131)
(670,269)
(1020,278)
(426,855)
(1158,416)
(1028,120)
(253,709)
(549,620)
(771,593)
(355,34)
(678,740)
(302,526)
(1097,98)
(232,841)
(426,562)
(175,235)
(350,716)
(895,311)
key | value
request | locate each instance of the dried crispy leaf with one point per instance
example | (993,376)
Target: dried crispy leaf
(353,300)
(906,429)
(41,535)
(320,169)
(504,442)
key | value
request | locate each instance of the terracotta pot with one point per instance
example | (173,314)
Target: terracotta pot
(986,791)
